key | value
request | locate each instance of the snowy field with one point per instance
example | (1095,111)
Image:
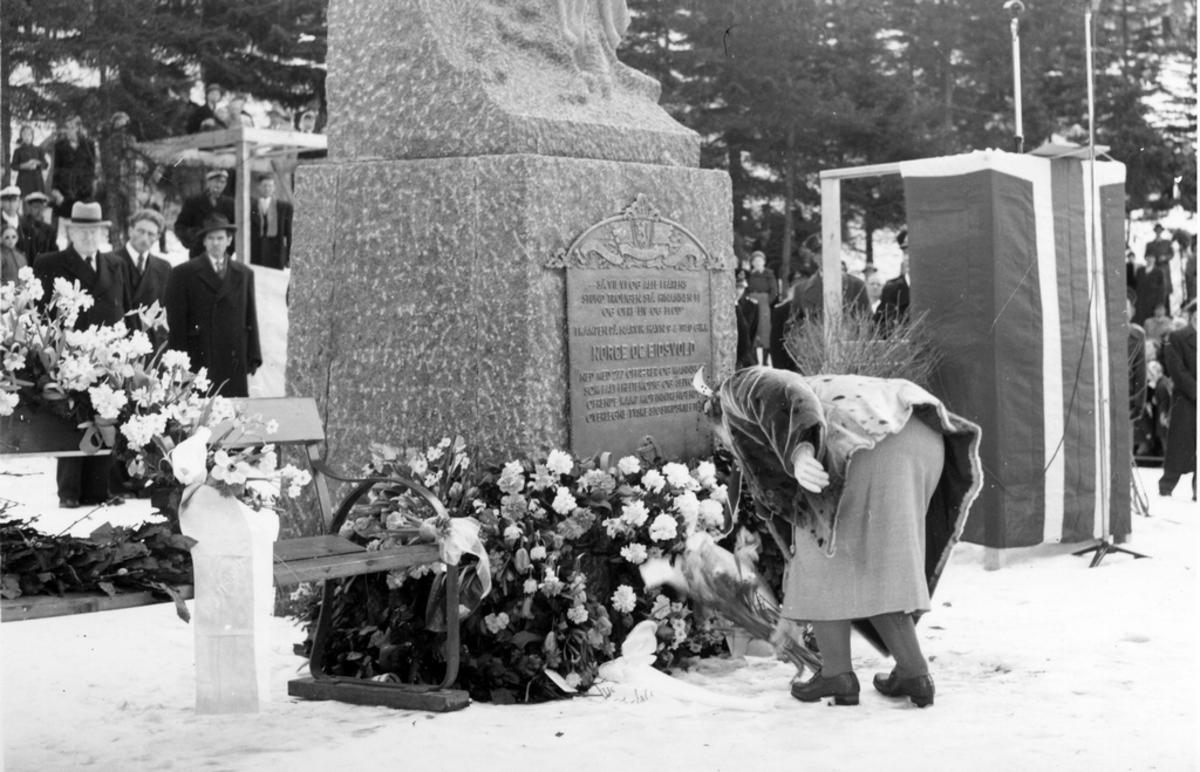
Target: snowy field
(1041,665)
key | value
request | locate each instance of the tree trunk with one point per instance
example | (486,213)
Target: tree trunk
(789,199)
(5,104)
(737,177)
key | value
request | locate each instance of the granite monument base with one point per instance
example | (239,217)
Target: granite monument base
(422,306)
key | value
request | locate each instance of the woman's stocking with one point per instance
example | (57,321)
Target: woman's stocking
(833,638)
(900,635)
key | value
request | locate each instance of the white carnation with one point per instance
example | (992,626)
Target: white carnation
(653,481)
(663,528)
(624,599)
(564,503)
(634,553)
(712,514)
(629,465)
(559,462)
(635,513)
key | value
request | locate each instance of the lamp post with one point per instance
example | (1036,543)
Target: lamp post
(1015,9)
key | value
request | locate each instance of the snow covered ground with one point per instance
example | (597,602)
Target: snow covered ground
(1042,665)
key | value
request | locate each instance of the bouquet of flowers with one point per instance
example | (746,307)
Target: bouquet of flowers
(127,397)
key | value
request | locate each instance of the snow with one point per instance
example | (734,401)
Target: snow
(1041,665)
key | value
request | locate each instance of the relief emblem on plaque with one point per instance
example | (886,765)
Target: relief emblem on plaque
(638,237)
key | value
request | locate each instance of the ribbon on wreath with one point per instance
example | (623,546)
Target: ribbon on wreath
(456,537)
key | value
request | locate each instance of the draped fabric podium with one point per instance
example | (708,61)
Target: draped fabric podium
(1034,348)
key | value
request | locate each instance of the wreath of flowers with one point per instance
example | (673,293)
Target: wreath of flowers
(564,538)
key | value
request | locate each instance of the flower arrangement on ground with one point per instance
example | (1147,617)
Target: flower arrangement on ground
(564,539)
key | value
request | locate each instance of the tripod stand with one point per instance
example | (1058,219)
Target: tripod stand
(1140,503)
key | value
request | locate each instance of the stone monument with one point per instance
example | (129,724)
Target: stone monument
(471,145)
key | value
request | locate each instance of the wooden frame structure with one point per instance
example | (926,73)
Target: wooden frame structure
(241,148)
(831,227)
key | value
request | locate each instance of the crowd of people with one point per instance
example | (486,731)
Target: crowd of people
(74,164)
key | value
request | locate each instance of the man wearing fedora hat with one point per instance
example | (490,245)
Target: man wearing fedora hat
(36,235)
(85,480)
(211,312)
(197,210)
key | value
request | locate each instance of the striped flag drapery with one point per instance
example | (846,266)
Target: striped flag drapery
(1002,249)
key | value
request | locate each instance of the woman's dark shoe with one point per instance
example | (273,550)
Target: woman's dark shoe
(919,689)
(842,688)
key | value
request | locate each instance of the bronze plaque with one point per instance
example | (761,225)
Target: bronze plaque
(639,325)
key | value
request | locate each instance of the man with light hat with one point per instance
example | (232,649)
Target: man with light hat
(36,235)
(198,209)
(211,312)
(10,207)
(85,480)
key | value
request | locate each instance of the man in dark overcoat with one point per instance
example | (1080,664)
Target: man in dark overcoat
(147,273)
(197,210)
(211,312)
(894,298)
(1180,457)
(37,237)
(270,226)
(85,480)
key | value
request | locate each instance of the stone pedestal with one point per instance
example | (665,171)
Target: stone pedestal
(470,143)
(421,304)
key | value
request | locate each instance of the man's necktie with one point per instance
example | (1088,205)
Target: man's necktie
(141,265)
(91,262)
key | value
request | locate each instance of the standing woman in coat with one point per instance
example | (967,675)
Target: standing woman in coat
(211,312)
(29,162)
(869,476)
(763,288)
(1180,457)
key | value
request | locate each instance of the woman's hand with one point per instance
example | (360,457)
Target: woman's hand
(808,471)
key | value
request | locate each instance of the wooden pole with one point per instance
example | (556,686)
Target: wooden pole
(242,251)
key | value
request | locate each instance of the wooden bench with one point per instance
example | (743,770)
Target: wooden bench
(319,558)
(329,556)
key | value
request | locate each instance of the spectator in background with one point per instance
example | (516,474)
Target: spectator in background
(1180,456)
(1159,247)
(119,161)
(270,226)
(307,123)
(874,284)
(85,480)
(74,176)
(198,209)
(238,115)
(29,161)
(785,314)
(1189,269)
(763,288)
(894,297)
(206,111)
(211,312)
(37,236)
(1153,284)
(811,295)
(1159,325)
(146,272)
(12,260)
(1137,378)
(10,207)
(746,313)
